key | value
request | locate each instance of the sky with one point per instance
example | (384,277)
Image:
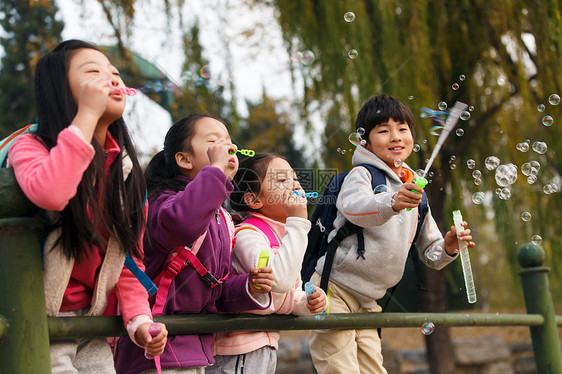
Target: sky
(259,61)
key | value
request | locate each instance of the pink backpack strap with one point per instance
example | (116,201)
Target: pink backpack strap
(227,218)
(261,225)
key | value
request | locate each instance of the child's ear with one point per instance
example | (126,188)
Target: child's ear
(183,160)
(252,201)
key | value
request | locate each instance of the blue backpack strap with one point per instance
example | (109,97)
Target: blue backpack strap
(7,142)
(141,275)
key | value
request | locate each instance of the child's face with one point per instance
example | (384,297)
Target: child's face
(277,185)
(88,65)
(391,141)
(207,132)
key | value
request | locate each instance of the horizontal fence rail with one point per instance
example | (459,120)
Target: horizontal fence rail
(73,327)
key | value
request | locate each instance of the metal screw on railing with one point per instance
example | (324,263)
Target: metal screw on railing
(538,300)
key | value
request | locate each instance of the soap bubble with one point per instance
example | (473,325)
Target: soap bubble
(505,194)
(465,116)
(550,188)
(547,120)
(428,328)
(355,139)
(530,168)
(477,181)
(187,75)
(453,166)
(492,162)
(338,150)
(397,162)
(554,99)
(462,77)
(526,216)
(416,148)
(381,188)
(436,130)
(434,253)
(453,158)
(476,174)
(361,131)
(470,163)
(420,172)
(498,191)
(349,17)
(205,72)
(363,142)
(506,175)
(523,147)
(541,107)
(352,54)
(471,108)
(531,179)
(307,58)
(343,151)
(459,132)
(478,198)
(411,97)
(455,86)
(536,239)
(442,105)
(540,147)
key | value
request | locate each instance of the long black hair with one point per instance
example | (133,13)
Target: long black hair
(162,170)
(113,204)
(249,178)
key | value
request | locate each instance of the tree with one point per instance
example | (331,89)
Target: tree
(30,30)
(508,54)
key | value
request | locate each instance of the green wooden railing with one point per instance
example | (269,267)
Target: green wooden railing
(25,330)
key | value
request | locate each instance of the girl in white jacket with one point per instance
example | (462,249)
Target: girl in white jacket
(276,224)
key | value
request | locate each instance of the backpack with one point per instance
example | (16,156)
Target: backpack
(323,223)
(130,263)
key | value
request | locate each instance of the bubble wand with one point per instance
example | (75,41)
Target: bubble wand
(244,152)
(465,259)
(452,120)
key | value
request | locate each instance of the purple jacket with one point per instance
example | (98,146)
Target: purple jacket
(177,219)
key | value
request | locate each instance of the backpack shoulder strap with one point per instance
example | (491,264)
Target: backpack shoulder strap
(377,175)
(7,142)
(227,218)
(262,226)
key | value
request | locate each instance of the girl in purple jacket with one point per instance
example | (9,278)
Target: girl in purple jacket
(187,183)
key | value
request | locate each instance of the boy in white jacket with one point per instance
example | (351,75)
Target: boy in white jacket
(357,283)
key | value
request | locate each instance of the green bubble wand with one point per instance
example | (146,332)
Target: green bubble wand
(450,124)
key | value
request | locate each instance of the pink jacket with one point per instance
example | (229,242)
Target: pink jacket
(50,179)
(287,296)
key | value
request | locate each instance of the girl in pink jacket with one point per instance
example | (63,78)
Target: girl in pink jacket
(276,225)
(81,168)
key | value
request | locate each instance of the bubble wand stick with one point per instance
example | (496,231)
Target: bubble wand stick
(450,124)
(465,259)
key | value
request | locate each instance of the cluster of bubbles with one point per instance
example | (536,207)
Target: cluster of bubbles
(304,58)
(506,174)
(203,78)
(538,146)
(159,86)
(478,197)
(356,139)
(455,86)
(440,116)
(550,188)
(554,100)
(530,170)
(428,328)
(434,253)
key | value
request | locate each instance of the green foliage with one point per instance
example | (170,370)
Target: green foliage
(30,30)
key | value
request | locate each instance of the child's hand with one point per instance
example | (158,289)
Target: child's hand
(263,278)
(451,243)
(92,97)
(405,198)
(219,154)
(154,346)
(316,302)
(295,205)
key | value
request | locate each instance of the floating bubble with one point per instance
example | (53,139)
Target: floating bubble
(478,198)
(431,174)
(453,158)
(462,77)
(338,150)
(343,151)
(459,132)
(498,191)
(355,139)
(547,120)
(536,239)
(540,147)
(381,188)
(442,105)
(526,216)
(411,97)
(416,148)
(470,163)
(352,54)
(492,162)
(476,174)
(361,131)
(363,142)
(428,328)
(436,130)
(453,166)
(470,108)
(205,72)
(187,75)
(505,194)
(397,162)
(523,147)
(506,175)
(465,116)
(531,179)
(434,253)
(307,58)
(541,107)
(455,86)
(477,181)
(349,16)
(550,188)
(554,99)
